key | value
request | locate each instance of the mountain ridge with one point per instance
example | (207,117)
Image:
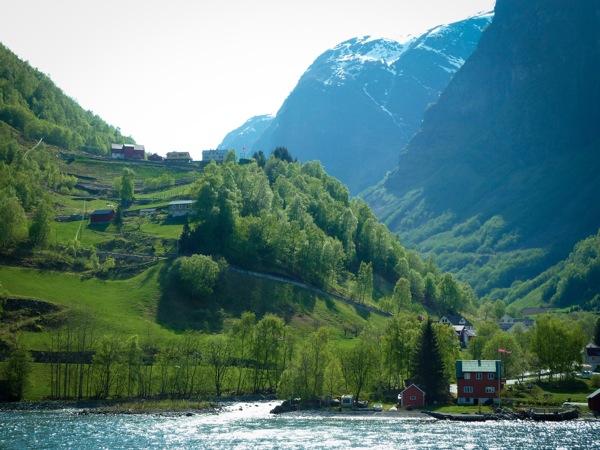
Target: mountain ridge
(513,136)
(359,102)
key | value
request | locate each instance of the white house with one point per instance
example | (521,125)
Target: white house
(507,323)
(348,401)
(214,155)
(180,208)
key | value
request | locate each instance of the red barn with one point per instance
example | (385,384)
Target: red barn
(478,381)
(413,396)
(102,216)
(127,151)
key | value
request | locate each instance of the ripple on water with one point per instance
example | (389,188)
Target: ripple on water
(253,427)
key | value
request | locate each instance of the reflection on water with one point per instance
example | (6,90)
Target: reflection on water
(250,425)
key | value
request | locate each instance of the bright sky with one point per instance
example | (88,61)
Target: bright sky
(180,74)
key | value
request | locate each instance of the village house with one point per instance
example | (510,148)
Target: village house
(592,356)
(478,381)
(178,158)
(155,157)
(127,151)
(507,323)
(462,327)
(594,402)
(214,155)
(347,401)
(102,216)
(180,208)
(412,397)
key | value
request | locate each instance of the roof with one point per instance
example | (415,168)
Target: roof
(411,386)
(456,320)
(215,151)
(182,202)
(99,212)
(594,394)
(178,155)
(481,365)
(120,147)
(592,350)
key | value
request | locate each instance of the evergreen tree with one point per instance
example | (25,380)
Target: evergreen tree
(260,158)
(428,366)
(185,240)
(118,218)
(283,154)
(597,332)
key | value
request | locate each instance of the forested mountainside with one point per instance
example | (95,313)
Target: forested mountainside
(573,282)
(360,102)
(501,180)
(31,103)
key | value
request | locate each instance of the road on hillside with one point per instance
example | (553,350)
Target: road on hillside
(277,278)
(310,288)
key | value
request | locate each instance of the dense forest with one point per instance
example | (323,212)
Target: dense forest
(293,218)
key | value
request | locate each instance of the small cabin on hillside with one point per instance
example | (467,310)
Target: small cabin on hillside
(412,397)
(214,155)
(180,208)
(127,151)
(507,323)
(592,356)
(178,158)
(102,216)
(155,157)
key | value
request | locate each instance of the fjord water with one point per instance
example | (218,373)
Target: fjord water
(250,426)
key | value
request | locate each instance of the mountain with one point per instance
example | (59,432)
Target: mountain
(501,180)
(245,136)
(31,103)
(360,102)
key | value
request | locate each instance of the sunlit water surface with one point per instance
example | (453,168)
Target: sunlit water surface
(250,426)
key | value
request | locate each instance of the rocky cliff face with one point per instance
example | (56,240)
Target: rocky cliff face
(513,136)
(359,103)
(245,136)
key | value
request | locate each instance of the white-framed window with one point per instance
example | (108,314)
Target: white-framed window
(413,397)
(479,376)
(468,389)
(491,376)
(467,375)
(490,389)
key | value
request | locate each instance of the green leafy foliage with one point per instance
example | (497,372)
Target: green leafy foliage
(198,274)
(32,104)
(428,365)
(296,220)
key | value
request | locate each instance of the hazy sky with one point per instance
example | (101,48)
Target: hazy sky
(180,74)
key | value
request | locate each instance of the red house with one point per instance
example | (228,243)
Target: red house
(102,216)
(413,396)
(594,402)
(127,151)
(155,157)
(478,381)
